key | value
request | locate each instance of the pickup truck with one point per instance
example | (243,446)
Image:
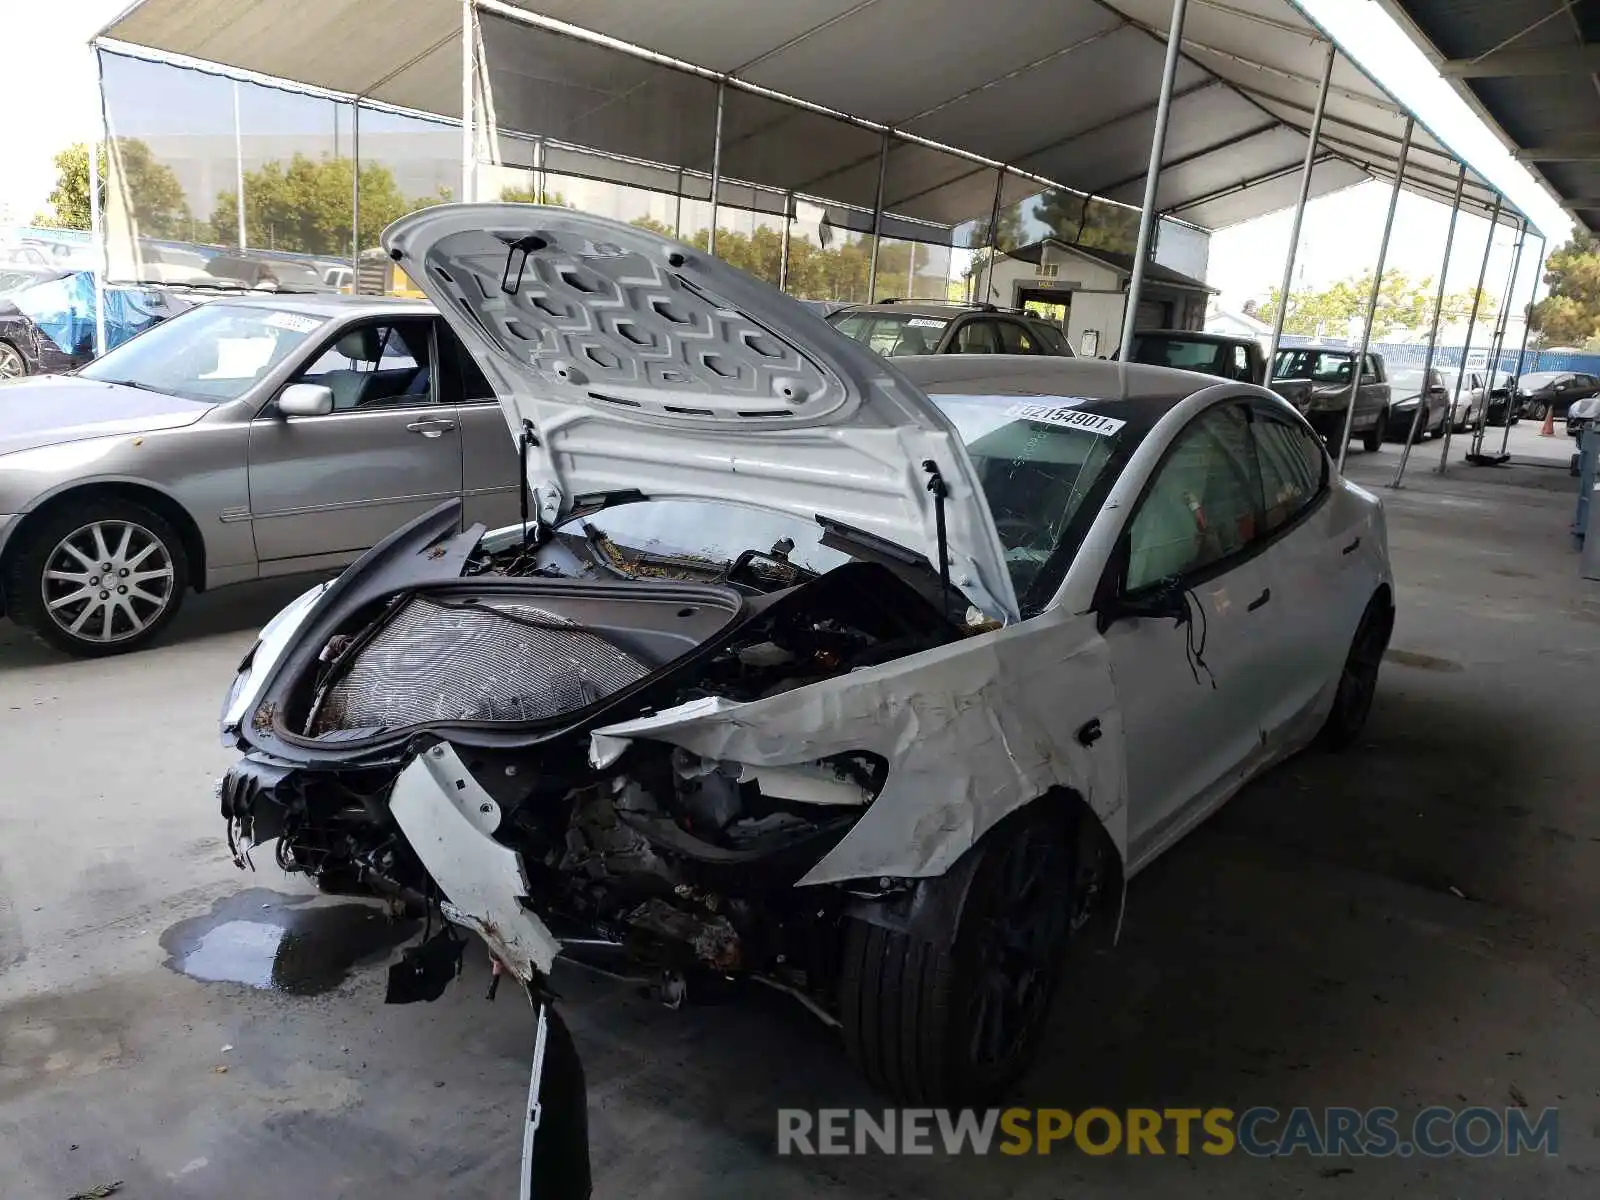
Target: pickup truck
(1315,379)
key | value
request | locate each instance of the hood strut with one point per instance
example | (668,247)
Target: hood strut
(936,486)
(527,439)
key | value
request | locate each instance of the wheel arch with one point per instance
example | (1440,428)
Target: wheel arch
(930,908)
(153,498)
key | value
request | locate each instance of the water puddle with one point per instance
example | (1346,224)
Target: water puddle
(1423,662)
(264,939)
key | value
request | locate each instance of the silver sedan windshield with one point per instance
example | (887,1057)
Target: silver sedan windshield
(210,354)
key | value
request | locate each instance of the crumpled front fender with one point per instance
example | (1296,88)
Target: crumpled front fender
(971,731)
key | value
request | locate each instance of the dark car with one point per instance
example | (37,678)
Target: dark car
(1331,370)
(1218,354)
(1406,391)
(1543,392)
(47,318)
(282,275)
(896,327)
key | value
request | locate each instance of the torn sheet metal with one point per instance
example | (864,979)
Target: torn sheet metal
(971,731)
(448,818)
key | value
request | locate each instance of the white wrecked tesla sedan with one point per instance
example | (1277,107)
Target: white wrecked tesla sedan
(869,681)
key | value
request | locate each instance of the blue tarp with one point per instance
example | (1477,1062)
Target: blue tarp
(63,309)
(1413,354)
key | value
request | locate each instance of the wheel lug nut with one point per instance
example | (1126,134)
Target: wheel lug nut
(122,591)
(105,595)
(95,582)
(123,573)
(105,566)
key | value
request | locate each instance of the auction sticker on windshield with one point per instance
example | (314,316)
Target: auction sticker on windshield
(293,322)
(1067,416)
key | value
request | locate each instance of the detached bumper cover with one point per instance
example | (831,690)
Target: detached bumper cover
(449,819)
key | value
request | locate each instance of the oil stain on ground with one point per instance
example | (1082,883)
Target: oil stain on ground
(1425,662)
(264,939)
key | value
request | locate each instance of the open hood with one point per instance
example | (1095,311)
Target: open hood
(637,363)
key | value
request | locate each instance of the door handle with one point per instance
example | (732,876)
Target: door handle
(1266,594)
(431,427)
(1352,547)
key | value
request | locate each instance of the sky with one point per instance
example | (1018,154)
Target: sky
(47,85)
(48,73)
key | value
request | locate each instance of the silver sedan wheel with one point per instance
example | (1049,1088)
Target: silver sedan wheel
(108,582)
(11,364)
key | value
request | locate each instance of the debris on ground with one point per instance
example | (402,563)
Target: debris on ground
(1457,892)
(1517,1097)
(98,1193)
(1335,1172)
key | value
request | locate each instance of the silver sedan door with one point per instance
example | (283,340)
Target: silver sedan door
(490,468)
(329,486)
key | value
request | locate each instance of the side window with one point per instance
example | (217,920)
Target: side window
(1369,370)
(384,364)
(976,337)
(1014,339)
(460,380)
(1203,505)
(1241,363)
(1294,469)
(1055,342)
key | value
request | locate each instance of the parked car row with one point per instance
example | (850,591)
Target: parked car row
(48,317)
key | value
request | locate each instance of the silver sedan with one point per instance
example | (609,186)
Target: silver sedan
(246,438)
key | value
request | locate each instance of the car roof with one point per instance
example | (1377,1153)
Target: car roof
(1108,386)
(1193,335)
(1350,350)
(328,304)
(927,308)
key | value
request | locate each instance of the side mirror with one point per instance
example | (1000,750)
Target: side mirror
(1165,601)
(305,400)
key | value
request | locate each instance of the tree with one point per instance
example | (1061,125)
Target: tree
(528,195)
(1403,304)
(154,196)
(1081,220)
(1007,236)
(305,205)
(1570,314)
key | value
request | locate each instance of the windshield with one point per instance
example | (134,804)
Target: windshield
(1187,354)
(678,539)
(1407,382)
(1319,366)
(892,334)
(212,354)
(1037,460)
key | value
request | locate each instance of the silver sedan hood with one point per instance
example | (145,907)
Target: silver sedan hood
(64,408)
(635,363)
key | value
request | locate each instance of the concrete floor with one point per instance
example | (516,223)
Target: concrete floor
(1412,924)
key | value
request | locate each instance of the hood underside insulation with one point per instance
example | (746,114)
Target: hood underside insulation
(481,660)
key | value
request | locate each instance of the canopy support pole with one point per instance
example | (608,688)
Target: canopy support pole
(97,216)
(783,253)
(1522,351)
(469,148)
(1372,300)
(716,164)
(1497,342)
(1472,321)
(1300,208)
(355,195)
(1433,338)
(238,166)
(1152,179)
(994,236)
(877,222)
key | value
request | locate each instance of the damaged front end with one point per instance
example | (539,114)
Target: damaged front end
(457,725)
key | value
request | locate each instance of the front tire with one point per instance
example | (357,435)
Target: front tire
(99,578)
(955,1023)
(1372,439)
(1358,679)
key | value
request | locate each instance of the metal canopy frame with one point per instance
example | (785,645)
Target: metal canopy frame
(1531,70)
(1246,79)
